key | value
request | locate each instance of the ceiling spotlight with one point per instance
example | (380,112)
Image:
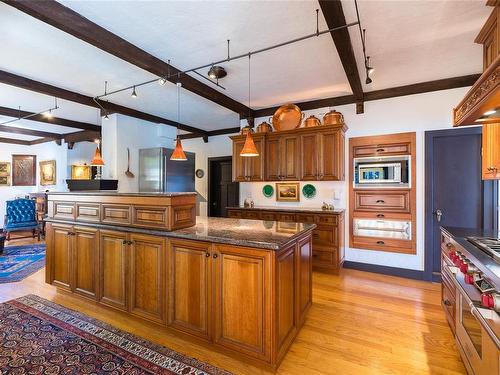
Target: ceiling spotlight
(134,94)
(48,114)
(217,72)
(106,117)
(162,81)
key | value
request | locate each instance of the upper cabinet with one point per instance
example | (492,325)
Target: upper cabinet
(491,152)
(489,38)
(304,154)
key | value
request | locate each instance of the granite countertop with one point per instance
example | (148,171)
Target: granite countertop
(290,209)
(270,235)
(115,193)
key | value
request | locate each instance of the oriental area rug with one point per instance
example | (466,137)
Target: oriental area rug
(18,262)
(41,337)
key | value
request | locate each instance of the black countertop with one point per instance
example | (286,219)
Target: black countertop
(289,209)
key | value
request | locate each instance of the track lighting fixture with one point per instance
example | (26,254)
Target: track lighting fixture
(369,69)
(106,117)
(48,114)
(162,81)
(368,80)
(134,94)
(217,72)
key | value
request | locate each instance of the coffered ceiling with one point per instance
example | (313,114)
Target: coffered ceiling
(409,41)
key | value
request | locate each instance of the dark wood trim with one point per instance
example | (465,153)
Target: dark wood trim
(44,88)
(15,141)
(385,270)
(212,133)
(45,140)
(416,88)
(71,22)
(36,133)
(334,16)
(16,113)
(490,196)
(82,136)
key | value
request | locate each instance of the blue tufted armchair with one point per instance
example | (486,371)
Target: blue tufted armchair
(21,216)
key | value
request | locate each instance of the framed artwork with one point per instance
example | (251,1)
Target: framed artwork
(287,192)
(4,181)
(4,168)
(23,170)
(81,172)
(48,173)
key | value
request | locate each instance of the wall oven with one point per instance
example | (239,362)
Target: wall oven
(380,172)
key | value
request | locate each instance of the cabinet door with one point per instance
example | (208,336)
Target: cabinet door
(273,159)
(113,278)
(85,261)
(332,156)
(290,157)
(309,155)
(239,163)
(59,260)
(255,164)
(242,305)
(147,273)
(491,152)
(189,287)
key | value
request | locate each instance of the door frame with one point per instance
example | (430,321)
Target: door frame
(209,173)
(489,203)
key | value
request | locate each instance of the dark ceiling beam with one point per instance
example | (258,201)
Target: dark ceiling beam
(35,133)
(16,113)
(417,88)
(334,16)
(44,88)
(15,141)
(82,136)
(71,22)
(45,140)
(212,133)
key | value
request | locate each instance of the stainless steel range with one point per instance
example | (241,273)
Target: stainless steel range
(490,246)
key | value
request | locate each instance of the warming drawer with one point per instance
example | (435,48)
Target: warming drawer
(394,229)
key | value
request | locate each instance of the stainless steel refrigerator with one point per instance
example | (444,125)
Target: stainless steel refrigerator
(157,173)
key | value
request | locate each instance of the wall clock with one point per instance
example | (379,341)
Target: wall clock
(199,173)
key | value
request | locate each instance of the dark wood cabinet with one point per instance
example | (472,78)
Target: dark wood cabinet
(59,260)
(85,261)
(489,38)
(308,154)
(248,168)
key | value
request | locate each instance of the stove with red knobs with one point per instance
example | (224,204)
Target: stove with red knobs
(470,273)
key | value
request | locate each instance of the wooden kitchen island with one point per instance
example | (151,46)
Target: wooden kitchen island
(241,286)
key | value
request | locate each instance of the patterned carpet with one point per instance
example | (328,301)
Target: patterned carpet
(41,337)
(18,262)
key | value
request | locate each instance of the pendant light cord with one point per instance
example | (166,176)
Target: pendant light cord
(249,109)
(178,107)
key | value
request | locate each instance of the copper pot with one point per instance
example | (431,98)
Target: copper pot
(264,127)
(311,121)
(333,118)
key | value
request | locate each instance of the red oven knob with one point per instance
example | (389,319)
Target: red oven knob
(469,278)
(487,300)
(464,265)
(452,255)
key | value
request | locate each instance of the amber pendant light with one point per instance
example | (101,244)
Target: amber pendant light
(178,153)
(249,149)
(97,161)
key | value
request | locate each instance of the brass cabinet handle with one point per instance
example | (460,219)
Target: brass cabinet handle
(207,254)
(380,150)
(125,242)
(214,256)
(380,243)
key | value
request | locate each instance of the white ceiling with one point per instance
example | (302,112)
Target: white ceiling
(409,41)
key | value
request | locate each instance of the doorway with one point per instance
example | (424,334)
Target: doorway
(455,194)
(222,191)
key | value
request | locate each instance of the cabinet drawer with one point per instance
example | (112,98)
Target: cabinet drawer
(448,303)
(64,210)
(115,214)
(398,201)
(270,216)
(388,149)
(234,214)
(327,219)
(88,212)
(254,215)
(149,216)
(182,216)
(287,217)
(324,258)
(325,236)
(383,244)
(306,218)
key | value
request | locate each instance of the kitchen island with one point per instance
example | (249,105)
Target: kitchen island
(241,286)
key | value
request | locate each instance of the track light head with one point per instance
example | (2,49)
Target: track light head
(368,80)
(48,114)
(162,81)
(217,72)
(134,94)
(106,117)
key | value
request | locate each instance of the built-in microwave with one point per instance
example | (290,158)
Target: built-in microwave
(384,171)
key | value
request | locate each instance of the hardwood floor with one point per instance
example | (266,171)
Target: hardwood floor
(360,323)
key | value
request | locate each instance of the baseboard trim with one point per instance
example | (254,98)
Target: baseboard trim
(385,270)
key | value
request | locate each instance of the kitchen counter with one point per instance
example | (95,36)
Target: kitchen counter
(289,209)
(117,194)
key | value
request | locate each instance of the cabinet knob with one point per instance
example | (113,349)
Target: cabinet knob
(447,302)
(125,242)
(207,254)
(380,215)
(214,256)
(380,243)
(380,150)
(380,201)
(449,245)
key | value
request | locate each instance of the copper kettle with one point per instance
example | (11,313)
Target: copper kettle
(333,118)
(311,121)
(264,127)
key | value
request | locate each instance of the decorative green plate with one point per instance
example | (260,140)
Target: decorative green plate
(268,191)
(309,191)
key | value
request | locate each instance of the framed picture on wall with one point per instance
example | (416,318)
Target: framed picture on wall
(4,181)
(81,172)
(4,168)
(287,192)
(23,170)
(48,172)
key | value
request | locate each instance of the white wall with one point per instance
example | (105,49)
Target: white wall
(44,151)
(120,132)
(81,153)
